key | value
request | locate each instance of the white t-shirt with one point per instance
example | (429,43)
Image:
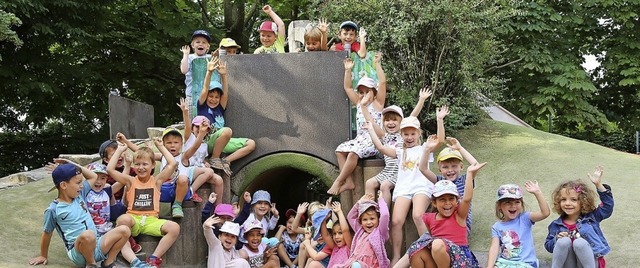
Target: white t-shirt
(197,159)
(410,179)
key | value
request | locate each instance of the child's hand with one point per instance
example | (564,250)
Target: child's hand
(453,143)
(274,211)
(336,207)
(128,157)
(212,63)
(183,105)
(236,208)
(432,142)
(367,197)
(323,26)
(222,68)
(561,235)
(474,168)
(307,234)
(204,127)
(348,64)
(362,33)
(38,260)
(425,93)
(121,138)
(367,98)
(267,9)
(367,125)
(327,204)
(185,50)
(597,175)
(442,112)
(211,221)
(302,208)
(532,187)
(247,197)
(213,197)
(377,58)
(123,147)
(282,227)
(157,141)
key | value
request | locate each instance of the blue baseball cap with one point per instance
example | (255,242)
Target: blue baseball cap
(349,24)
(202,33)
(64,172)
(215,85)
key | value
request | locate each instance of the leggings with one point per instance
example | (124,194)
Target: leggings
(577,253)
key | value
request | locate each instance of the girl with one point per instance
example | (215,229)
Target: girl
(222,251)
(412,186)
(512,242)
(391,117)
(316,245)
(259,254)
(291,240)
(350,151)
(370,220)
(575,238)
(315,37)
(445,245)
(260,206)
(337,244)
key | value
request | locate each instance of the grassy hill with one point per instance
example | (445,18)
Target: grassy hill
(514,155)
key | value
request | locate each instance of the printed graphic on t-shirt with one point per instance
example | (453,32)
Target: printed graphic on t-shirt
(410,163)
(510,244)
(99,209)
(143,199)
(256,261)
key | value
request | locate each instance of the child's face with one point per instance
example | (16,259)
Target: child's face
(200,45)
(369,220)
(72,187)
(312,45)
(173,143)
(267,38)
(254,238)
(228,240)
(511,208)
(231,50)
(338,237)
(570,202)
(362,91)
(411,136)
(261,208)
(213,98)
(109,152)
(450,168)
(347,36)
(446,204)
(289,225)
(100,182)
(143,166)
(392,124)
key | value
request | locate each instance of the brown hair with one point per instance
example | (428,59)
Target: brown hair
(499,213)
(145,152)
(391,116)
(371,208)
(586,196)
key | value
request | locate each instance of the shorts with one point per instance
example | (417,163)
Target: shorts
(410,196)
(79,260)
(233,145)
(118,209)
(168,189)
(152,226)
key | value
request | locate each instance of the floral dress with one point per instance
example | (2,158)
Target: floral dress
(362,144)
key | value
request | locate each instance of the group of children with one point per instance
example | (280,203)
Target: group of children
(123,189)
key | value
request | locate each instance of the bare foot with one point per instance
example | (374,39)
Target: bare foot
(348,185)
(335,187)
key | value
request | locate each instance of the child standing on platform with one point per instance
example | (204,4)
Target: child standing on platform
(272,33)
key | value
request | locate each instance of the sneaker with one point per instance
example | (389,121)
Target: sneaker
(112,265)
(154,261)
(176,212)
(216,163)
(226,167)
(137,263)
(135,246)
(196,198)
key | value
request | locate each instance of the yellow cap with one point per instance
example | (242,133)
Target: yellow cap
(228,42)
(171,130)
(448,153)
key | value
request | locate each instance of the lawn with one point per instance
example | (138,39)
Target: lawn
(514,155)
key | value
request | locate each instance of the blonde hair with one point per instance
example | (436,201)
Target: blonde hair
(145,152)
(499,213)
(313,34)
(586,196)
(404,146)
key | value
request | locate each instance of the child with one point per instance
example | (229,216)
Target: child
(411,187)
(260,206)
(259,254)
(315,245)
(222,251)
(371,223)
(291,240)
(347,36)
(69,216)
(229,47)
(350,151)
(106,151)
(315,39)
(340,244)
(212,105)
(272,33)
(193,67)
(391,117)
(143,195)
(575,238)
(512,242)
(445,245)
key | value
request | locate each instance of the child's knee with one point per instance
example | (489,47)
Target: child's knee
(397,222)
(563,243)
(87,237)
(371,184)
(226,132)
(126,220)
(170,228)
(438,245)
(386,187)
(183,181)
(580,244)
(123,231)
(251,144)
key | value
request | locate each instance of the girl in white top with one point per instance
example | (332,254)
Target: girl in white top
(222,250)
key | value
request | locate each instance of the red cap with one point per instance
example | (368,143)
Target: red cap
(268,26)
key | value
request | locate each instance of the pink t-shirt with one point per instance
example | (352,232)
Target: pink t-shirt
(338,255)
(447,228)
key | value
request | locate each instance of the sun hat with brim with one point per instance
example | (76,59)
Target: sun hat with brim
(292,213)
(261,195)
(317,220)
(198,120)
(448,153)
(393,109)
(228,42)
(511,191)
(224,210)
(366,82)
(250,225)
(64,172)
(445,187)
(410,121)
(230,228)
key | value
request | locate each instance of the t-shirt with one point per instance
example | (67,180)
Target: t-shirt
(516,239)
(98,206)
(201,153)
(292,246)
(69,220)
(144,198)
(180,169)
(256,259)
(355,47)
(277,47)
(410,179)
(196,70)
(459,182)
(446,228)
(215,115)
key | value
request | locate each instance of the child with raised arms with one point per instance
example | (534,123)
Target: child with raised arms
(222,251)
(272,33)
(512,239)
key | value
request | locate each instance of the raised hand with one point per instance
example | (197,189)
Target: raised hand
(474,168)
(377,58)
(596,178)
(323,26)
(367,125)
(185,50)
(213,197)
(123,147)
(425,93)
(204,127)
(157,141)
(367,197)
(274,211)
(222,68)
(442,112)
(302,208)
(212,221)
(453,143)
(267,9)
(367,98)
(212,63)
(327,203)
(362,33)
(183,105)
(432,142)
(336,207)
(121,138)
(348,64)
(532,187)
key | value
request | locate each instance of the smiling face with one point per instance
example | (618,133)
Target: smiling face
(213,98)
(173,143)
(369,220)
(143,164)
(254,238)
(445,204)
(72,187)
(450,168)
(338,237)
(100,182)
(411,136)
(267,38)
(347,35)
(200,45)
(391,122)
(510,208)
(312,45)
(230,50)
(261,208)
(228,240)
(570,203)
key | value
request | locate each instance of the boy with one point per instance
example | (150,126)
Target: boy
(229,47)
(212,104)
(143,195)
(348,41)
(193,66)
(68,214)
(272,33)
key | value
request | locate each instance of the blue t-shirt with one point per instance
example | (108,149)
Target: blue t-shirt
(98,206)
(215,115)
(69,220)
(516,239)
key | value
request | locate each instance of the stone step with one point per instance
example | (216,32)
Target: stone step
(482,257)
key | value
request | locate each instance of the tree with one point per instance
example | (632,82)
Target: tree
(8,36)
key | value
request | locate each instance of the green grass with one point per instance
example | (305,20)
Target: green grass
(514,155)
